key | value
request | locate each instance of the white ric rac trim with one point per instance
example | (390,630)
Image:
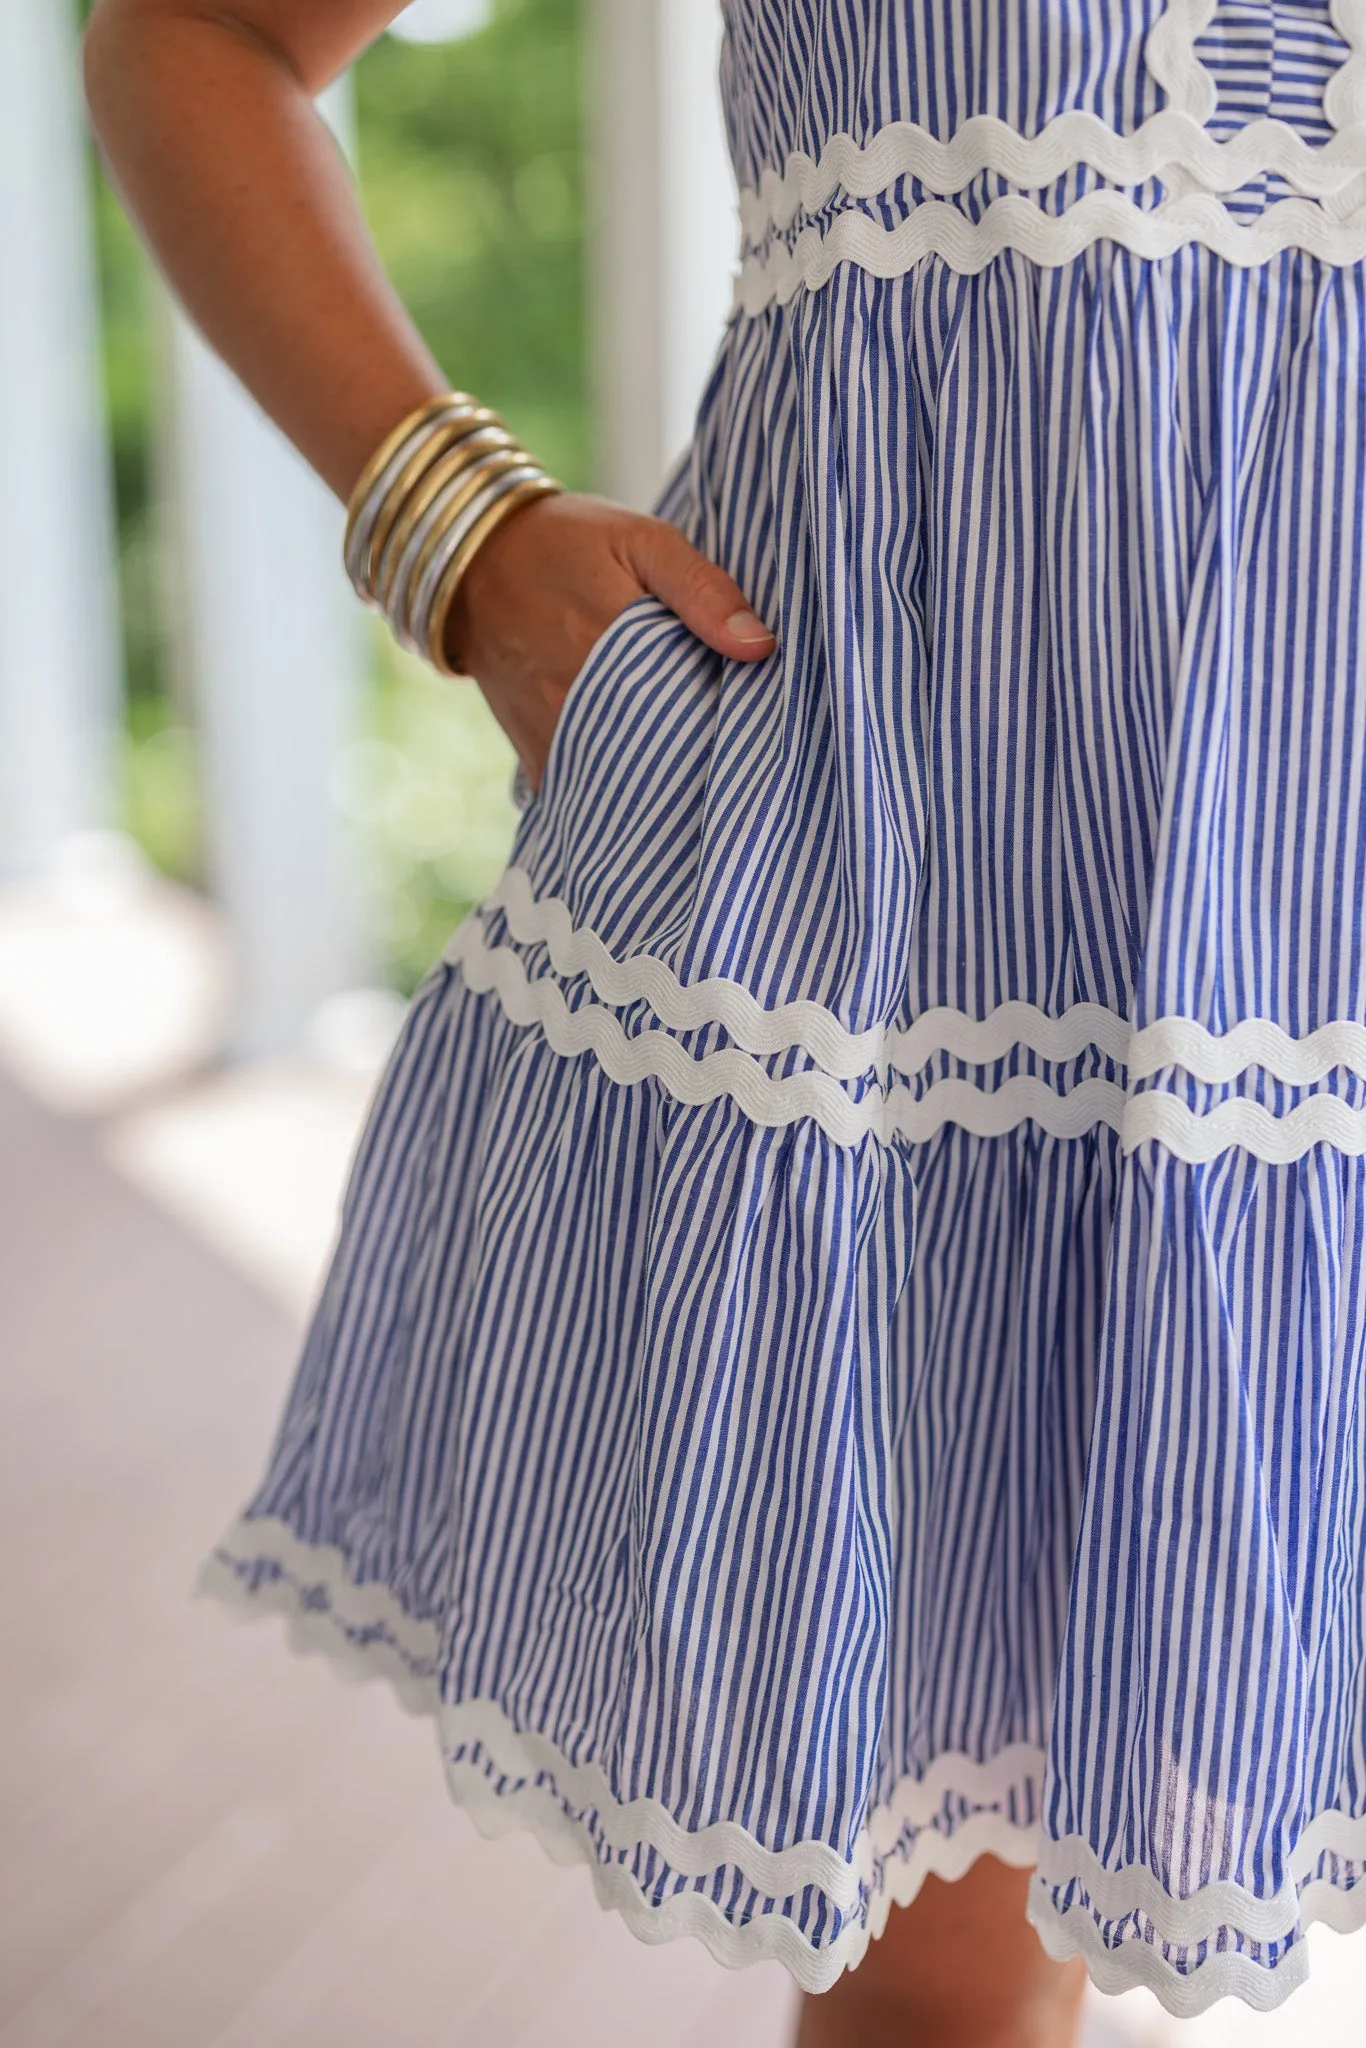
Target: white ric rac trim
(1167,141)
(888,1107)
(764,1098)
(841,1053)
(366,1634)
(844,1054)
(1174,145)
(1174,141)
(1225,1974)
(938,228)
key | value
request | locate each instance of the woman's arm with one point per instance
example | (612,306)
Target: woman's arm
(204,113)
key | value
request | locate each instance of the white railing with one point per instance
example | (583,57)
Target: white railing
(59,666)
(271,625)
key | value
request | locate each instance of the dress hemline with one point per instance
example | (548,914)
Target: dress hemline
(365,1634)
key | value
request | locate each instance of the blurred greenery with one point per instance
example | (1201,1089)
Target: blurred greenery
(429,788)
(471,174)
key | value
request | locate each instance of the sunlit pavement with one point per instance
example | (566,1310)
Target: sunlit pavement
(205,1842)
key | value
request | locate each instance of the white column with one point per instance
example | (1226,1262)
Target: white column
(59,660)
(663,226)
(273,633)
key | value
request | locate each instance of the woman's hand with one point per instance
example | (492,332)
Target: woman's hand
(551,579)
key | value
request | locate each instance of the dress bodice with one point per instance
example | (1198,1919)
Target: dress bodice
(1238,123)
(800,74)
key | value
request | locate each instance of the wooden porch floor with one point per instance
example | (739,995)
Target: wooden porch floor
(206,1842)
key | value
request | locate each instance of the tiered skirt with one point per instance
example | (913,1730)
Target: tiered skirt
(846,1348)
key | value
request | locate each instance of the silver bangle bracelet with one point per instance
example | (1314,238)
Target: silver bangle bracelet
(418,610)
(358,547)
(434,490)
(401,593)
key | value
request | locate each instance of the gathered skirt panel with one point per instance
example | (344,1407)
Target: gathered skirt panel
(845,1345)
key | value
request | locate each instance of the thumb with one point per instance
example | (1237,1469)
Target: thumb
(708,601)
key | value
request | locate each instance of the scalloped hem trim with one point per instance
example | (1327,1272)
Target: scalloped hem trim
(365,1628)
(374,1639)
(886,1112)
(1134,1963)
(1224,1974)
(365,1634)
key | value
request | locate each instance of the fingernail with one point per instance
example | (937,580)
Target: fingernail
(745,626)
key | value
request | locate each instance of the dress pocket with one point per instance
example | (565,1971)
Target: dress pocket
(572,709)
(614,829)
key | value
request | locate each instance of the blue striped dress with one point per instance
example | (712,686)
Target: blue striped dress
(847,1343)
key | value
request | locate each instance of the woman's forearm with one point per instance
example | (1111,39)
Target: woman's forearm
(204,109)
(209,129)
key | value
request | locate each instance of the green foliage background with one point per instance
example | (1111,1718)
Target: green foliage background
(470,164)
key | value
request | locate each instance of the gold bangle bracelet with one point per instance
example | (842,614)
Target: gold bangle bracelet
(391,444)
(434,490)
(470,450)
(447,435)
(413,623)
(540,486)
(498,464)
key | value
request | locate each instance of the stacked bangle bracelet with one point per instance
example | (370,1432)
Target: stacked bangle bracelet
(423,506)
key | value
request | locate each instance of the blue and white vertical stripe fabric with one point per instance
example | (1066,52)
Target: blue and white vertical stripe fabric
(847,1343)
